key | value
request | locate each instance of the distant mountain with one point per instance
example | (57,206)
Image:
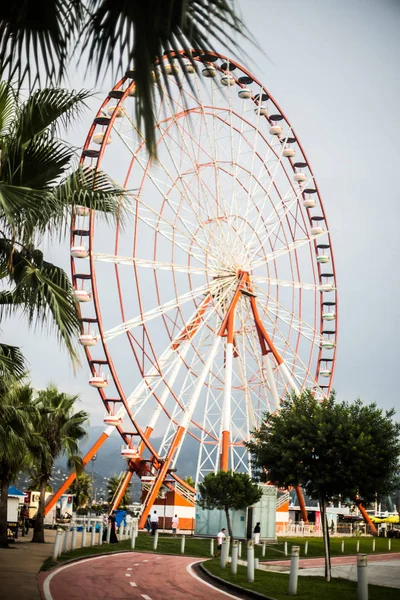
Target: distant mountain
(109,461)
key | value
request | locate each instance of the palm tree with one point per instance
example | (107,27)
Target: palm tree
(81,489)
(189,480)
(17,439)
(62,429)
(112,488)
(112,35)
(37,192)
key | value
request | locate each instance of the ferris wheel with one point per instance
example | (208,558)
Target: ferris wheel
(213,294)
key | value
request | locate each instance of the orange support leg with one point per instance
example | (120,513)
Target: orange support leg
(104,436)
(302,504)
(122,489)
(366,516)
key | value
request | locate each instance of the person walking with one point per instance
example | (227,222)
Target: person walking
(175,523)
(256,532)
(154,522)
(221,536)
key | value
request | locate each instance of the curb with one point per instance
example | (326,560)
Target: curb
(235,587)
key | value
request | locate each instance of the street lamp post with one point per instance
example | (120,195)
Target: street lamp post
(92,485)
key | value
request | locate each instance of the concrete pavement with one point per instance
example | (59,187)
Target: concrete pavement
(383,569)
(19,566)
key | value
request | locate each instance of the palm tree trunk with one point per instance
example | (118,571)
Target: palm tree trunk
(38,532)
(3,512)
(228,522)
(325,535)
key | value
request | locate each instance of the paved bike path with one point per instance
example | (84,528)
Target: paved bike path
(137,576)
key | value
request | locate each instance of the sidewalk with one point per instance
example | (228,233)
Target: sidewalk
(19,566)
(383,569)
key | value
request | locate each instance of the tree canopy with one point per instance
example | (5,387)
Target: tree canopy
(62,429)
(227,490)
(330,448)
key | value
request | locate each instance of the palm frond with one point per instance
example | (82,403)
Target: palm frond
(12,361)
(37,38)
(7,107)
(140,32)
(47,298)
(16,202)
(50,106)
(40,164)
(91,188)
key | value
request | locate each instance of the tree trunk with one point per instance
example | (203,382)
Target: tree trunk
(38,532)
(228,522)
(325,535)
(3,512)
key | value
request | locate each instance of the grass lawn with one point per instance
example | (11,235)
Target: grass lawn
(275,585)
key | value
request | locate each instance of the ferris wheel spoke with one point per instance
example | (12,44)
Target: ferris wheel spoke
(292,247)
(169,365)
(299,325)
(284,283)
(285,343)
(195,165)
(163,309)
(149,264)
(168,231)
(281,210)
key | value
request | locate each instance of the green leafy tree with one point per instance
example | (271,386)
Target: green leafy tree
(62,429)
(112,489)
(17,439)
(113,35)
(330,449)
(37,192)
(81,489)
(227,490)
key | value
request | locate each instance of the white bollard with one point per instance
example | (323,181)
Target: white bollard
(342,546)
(306,548)
(294,570)
(73,540)
(183,544)
(108,533)
(240,550)
(256,563)
(122,531)
(250,562)
(133,539)
(66,540)
(101,530)
(285,548)
(389,544)
(58,543)
(358,546)
(263,549)
(224,552)
(93,534)
(234,561)
(135,527)
(155,542)
(362,577)
(373,545)
(83,540)
(212,547)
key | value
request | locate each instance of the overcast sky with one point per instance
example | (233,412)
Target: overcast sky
(333,66)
